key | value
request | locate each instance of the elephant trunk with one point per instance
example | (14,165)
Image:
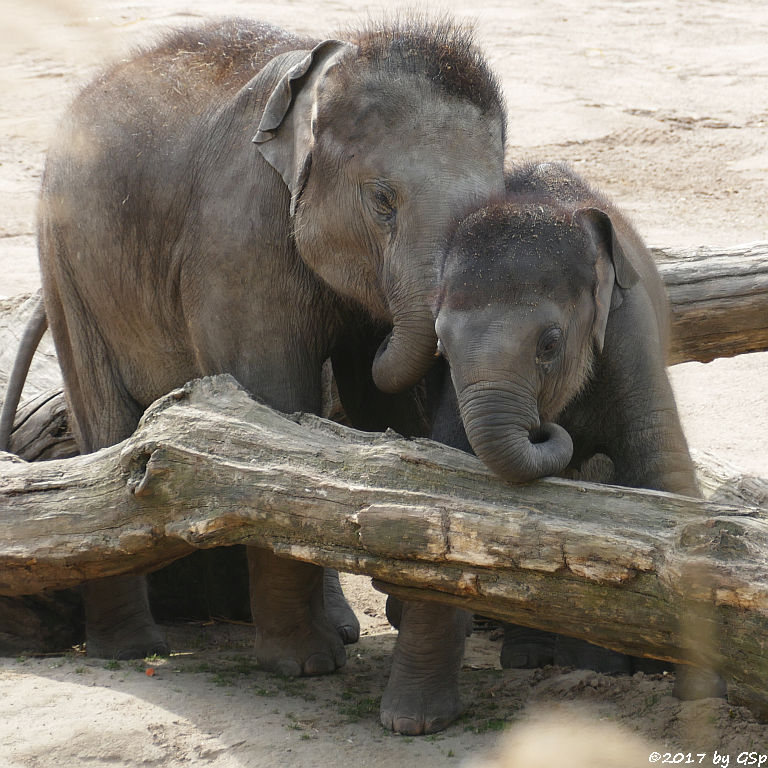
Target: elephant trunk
(407,353)
(506,433)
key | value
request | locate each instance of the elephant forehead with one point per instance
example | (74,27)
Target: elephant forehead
(512,283)
(503,261)
(406,122)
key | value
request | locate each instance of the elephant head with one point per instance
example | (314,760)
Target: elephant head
(381,143)
(527,291)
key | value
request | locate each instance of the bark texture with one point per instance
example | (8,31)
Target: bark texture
(719,300)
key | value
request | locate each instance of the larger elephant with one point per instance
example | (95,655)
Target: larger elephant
(238,199)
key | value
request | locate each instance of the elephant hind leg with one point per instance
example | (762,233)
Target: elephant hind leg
(422,695)
(293,635)
(119,622)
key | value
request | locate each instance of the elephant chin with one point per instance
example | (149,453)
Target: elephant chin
(516,448)
(405,355)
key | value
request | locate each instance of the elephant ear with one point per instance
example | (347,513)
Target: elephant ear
(285,136)
(613,268)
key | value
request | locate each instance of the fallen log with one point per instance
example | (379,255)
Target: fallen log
(719,300)
(208,467)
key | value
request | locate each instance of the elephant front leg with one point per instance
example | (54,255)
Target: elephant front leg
(119,623)
(422,695)
(293,635)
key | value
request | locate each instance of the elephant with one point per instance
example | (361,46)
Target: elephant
(238,199)
(555,323)
(552,325)
(569,325)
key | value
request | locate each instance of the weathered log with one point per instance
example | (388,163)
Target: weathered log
(42,430)
(208,466)
(719,300)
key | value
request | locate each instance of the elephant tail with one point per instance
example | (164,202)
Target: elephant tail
(30,340)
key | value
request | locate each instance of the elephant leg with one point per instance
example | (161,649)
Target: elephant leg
(572,652)
(525,648)
(422,695)
(394,611)
(293,635)
(693,683)
(338,610)
(119,624)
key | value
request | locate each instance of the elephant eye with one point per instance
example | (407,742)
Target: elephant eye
(383,200)
(549,345)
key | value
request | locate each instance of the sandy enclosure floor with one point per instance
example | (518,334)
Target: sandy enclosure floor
(664,105)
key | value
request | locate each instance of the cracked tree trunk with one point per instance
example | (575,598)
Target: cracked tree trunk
(208,466)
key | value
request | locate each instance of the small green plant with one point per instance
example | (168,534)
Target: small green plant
(112,664)
(359,708)
(493,724)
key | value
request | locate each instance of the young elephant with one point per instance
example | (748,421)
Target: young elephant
(555,323)
(554,320)
(237,199)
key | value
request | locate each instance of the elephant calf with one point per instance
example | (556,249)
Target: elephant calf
(554,321)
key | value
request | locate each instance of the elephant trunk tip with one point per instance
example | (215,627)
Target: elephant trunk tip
(402,360)
(538,452)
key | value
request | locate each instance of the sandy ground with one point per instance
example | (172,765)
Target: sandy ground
(665,105)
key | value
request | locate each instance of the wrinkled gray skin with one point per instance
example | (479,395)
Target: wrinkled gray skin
(172,246)
(555,323)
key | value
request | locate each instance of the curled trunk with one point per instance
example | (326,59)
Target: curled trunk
(505,432)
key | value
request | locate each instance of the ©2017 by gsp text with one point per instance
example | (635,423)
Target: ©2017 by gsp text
(722,759)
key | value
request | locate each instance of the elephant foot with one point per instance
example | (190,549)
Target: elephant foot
(312,649)
(119,623)
(338,610)
(293,635)
(135,643)
(422,695)
(525,648)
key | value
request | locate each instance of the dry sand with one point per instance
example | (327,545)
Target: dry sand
(665,105)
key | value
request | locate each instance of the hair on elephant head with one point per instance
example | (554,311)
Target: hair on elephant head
(548,301)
